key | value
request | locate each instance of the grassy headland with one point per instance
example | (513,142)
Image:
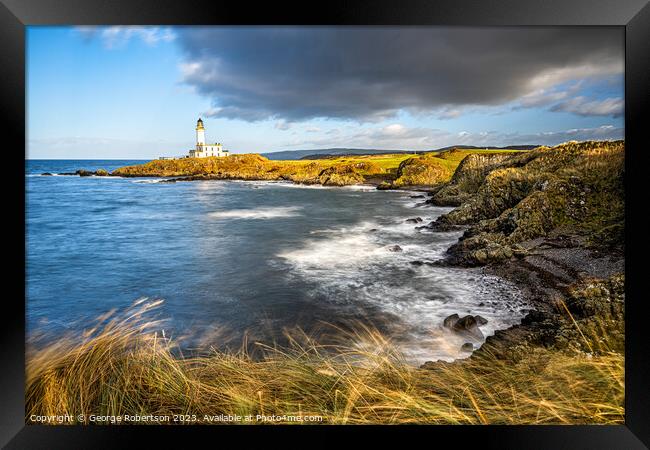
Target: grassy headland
(392,170)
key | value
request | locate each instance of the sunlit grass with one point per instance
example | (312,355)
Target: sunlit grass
(422,169)
(125,366)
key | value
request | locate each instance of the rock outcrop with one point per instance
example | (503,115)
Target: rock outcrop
(525,196)
(340,176)
(467,178)
(551,221)
(84,173)
(424,170)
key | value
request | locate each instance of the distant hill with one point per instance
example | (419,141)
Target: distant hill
(301,154)
(325,152)
(509,147)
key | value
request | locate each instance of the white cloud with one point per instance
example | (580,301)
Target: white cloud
(542,97)
(584,107)
(282,125)
(395,129)
(555,76)
(449,113)
(117,36)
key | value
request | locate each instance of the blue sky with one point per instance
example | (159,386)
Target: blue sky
(136,92)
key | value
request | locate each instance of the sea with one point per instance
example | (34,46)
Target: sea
(248,263)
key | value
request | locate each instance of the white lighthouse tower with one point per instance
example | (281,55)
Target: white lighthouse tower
(200,133)
(203,150)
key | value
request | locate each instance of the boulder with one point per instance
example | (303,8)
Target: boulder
(467,325)
(480,320)
(467,347)
(84,173)
(414,220)
(450,321)
(394,248)
(46,174)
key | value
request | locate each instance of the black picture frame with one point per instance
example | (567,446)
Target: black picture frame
(633,15)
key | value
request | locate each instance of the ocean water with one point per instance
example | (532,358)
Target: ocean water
(234,259)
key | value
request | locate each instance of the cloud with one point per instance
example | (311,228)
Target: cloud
(394,130)
(397,136)
(542,97)
(282,125)
(117,36)
(584,107)
(449,113)
(369,74)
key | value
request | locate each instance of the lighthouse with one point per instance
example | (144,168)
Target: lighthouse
(203,150)
(200,133)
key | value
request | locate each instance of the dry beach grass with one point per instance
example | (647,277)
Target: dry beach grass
(124,366)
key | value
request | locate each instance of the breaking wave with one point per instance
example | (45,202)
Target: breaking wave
(385,265)
(258,213)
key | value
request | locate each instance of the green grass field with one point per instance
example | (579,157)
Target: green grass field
(448,158)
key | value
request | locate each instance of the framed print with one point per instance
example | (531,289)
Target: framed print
(363,218)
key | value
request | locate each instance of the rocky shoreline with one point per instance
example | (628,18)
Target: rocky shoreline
(551,223)
(377,183)
(590,284)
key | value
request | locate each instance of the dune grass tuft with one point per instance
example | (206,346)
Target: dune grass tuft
(124,366)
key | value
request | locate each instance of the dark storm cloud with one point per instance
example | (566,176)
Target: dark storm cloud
(370,73)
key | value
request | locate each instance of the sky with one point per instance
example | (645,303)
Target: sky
(123,92)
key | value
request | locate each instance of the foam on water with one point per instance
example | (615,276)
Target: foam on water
(354,265)
(258,213)
(278,183)
(336,254)
(148,181)
(290,184)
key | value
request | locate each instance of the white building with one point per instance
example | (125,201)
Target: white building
(202,149)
